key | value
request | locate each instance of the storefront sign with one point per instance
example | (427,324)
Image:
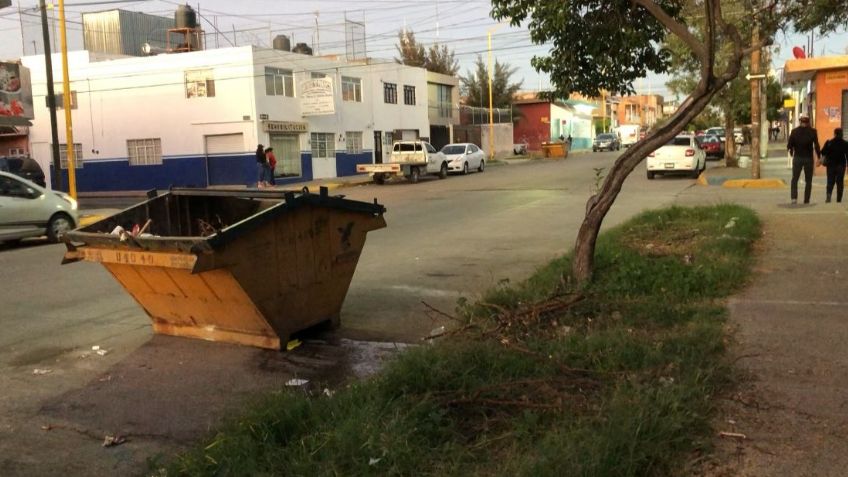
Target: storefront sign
(15,95)
(836,77)
(316,97)
(789,103)
(284,126)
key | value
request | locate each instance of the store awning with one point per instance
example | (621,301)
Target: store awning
(14,121)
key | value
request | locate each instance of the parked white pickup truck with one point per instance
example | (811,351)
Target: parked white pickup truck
(409,159)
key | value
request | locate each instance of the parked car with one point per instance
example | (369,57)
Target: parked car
(409,159)
(680,155)
(715,131)
(463,157)
(25,167)
(713,146)
(30,210)
(738,136)
(606,141)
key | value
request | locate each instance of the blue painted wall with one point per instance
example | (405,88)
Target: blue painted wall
(346,163)
(177,171)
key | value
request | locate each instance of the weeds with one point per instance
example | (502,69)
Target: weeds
(536,379)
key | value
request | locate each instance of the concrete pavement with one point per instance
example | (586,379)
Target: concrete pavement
(790,338)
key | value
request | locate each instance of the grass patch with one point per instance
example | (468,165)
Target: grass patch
(539,379)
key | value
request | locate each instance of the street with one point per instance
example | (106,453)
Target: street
(445,239)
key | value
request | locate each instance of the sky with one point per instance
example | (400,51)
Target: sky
(462,25)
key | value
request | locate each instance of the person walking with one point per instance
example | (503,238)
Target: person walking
(272,164)
(261,167)
(835,152)
(803,142)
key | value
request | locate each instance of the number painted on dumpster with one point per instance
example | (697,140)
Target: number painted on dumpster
(150,259)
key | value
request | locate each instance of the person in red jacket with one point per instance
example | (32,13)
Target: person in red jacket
(272,164)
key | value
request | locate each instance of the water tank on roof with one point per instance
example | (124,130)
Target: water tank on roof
(282,42)
(302,48)
(185,17)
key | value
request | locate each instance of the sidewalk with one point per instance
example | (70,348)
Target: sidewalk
(790,340)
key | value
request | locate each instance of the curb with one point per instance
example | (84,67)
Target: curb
(754,184)
(87,220)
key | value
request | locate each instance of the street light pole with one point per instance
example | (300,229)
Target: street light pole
(51,98)
(491,112)
(755,105)
(66,103)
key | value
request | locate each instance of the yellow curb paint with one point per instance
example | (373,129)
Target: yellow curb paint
(702,180)
(87,220)
(754,184)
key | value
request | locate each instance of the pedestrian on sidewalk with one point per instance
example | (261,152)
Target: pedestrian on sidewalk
(803,142)
(272,164)
(835,152)
(261,167)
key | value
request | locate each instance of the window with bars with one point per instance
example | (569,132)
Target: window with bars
(354,142)
(279,82)
(144,152)
(409,95)
(631,113)
(199,84)
(390,93)
(351,89)
(389,139)
(63,155)
(323,145)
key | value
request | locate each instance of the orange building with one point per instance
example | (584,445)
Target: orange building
(820,90)
(641,109)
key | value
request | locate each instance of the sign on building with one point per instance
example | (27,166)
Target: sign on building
(15,95)
(284,126)
(316,97)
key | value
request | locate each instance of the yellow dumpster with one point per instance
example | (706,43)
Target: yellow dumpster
(245,267)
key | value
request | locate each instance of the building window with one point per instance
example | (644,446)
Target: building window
(16,151)
(441,100)
(60,100)
(323,145)
(144,152)
(390,93)
(354,142)
(316,75)
(279,82)
(631,113)
(199,84)
(409,95)
(389,140)
(351,89)
(63,155)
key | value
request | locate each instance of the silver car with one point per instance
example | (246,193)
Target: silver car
(29,210)
(463,157)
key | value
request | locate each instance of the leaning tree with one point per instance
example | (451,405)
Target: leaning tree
(605,45)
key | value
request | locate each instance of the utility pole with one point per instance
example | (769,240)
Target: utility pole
(755,105)
(491,112)
(51,98)
(66,96)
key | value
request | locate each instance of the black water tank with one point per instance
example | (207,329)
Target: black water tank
(302,48)
(185,17)
(282,42)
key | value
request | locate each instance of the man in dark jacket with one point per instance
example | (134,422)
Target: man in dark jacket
(803,141)
(835,152)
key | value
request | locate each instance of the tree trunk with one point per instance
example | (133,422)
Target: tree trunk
(583,262)
(730,159)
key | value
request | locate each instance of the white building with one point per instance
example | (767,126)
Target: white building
(195,119)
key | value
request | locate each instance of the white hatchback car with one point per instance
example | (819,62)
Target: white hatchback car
(681,154)
(29,210)
(463,157)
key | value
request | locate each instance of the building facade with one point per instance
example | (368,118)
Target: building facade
(196,118)
(541,120)
(819,89)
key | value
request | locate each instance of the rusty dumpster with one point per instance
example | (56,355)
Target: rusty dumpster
(246,267)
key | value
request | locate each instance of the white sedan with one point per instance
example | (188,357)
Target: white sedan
(681,154)
(29,210)
(463,157)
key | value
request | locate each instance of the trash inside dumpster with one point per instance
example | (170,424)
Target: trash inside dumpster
(246,267)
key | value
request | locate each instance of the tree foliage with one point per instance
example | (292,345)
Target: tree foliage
(438,58)
(475,85)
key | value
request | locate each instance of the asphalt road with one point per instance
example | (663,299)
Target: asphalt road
(445,239)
